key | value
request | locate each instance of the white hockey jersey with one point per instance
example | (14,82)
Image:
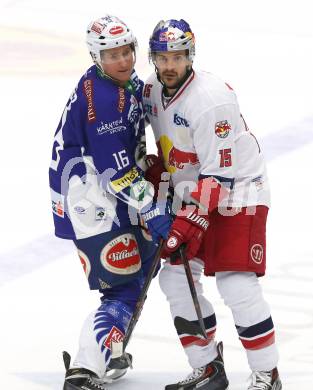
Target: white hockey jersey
(201,133)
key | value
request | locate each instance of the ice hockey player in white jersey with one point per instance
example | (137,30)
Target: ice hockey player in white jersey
(98,194)
(221,203)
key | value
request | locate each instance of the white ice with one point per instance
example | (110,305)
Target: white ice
(265,51)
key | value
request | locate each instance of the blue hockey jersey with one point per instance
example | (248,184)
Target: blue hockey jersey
(96,172)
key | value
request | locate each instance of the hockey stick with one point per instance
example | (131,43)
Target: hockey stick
(143,295)
(118,350)
(194,295)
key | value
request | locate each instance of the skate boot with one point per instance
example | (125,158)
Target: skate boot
(209,377)
(80,378)
(265,380)
(118,367)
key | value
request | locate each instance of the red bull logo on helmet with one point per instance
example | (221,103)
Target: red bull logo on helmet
(222,129)
(167,36)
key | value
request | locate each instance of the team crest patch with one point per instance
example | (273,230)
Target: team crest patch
(257,253)
(222,129)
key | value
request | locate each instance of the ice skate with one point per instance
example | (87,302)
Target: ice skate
(209,377)
(80,378)
(265,380)
(118,367)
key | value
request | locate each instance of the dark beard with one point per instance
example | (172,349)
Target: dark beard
(175,86)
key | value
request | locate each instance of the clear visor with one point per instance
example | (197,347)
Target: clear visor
(170,59)
(123,54)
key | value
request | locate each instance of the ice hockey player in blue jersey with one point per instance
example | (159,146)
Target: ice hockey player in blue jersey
(100,198)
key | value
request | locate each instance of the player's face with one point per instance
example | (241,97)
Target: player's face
(118,63)
(172,66)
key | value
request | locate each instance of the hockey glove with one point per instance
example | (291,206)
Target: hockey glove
(158,219)
(154,172)
(188,228)
(190,224)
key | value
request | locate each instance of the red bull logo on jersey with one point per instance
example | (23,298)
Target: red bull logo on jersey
(178,158)
(175,158)
(222,129)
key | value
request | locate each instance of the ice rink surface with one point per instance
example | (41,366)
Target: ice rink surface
(265,51)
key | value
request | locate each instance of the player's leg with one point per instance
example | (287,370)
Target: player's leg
(204,356)
(242,293)
(112,264)
(238,248)
(105,325)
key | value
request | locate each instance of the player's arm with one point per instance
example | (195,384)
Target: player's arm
(154,163)
(66,162)
(121,173)
(214,143)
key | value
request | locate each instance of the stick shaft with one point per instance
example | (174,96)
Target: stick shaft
(193,291)
(142,296)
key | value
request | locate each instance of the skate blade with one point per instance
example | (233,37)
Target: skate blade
(115,373)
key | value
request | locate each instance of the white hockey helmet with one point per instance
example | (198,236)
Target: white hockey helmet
(106,33)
